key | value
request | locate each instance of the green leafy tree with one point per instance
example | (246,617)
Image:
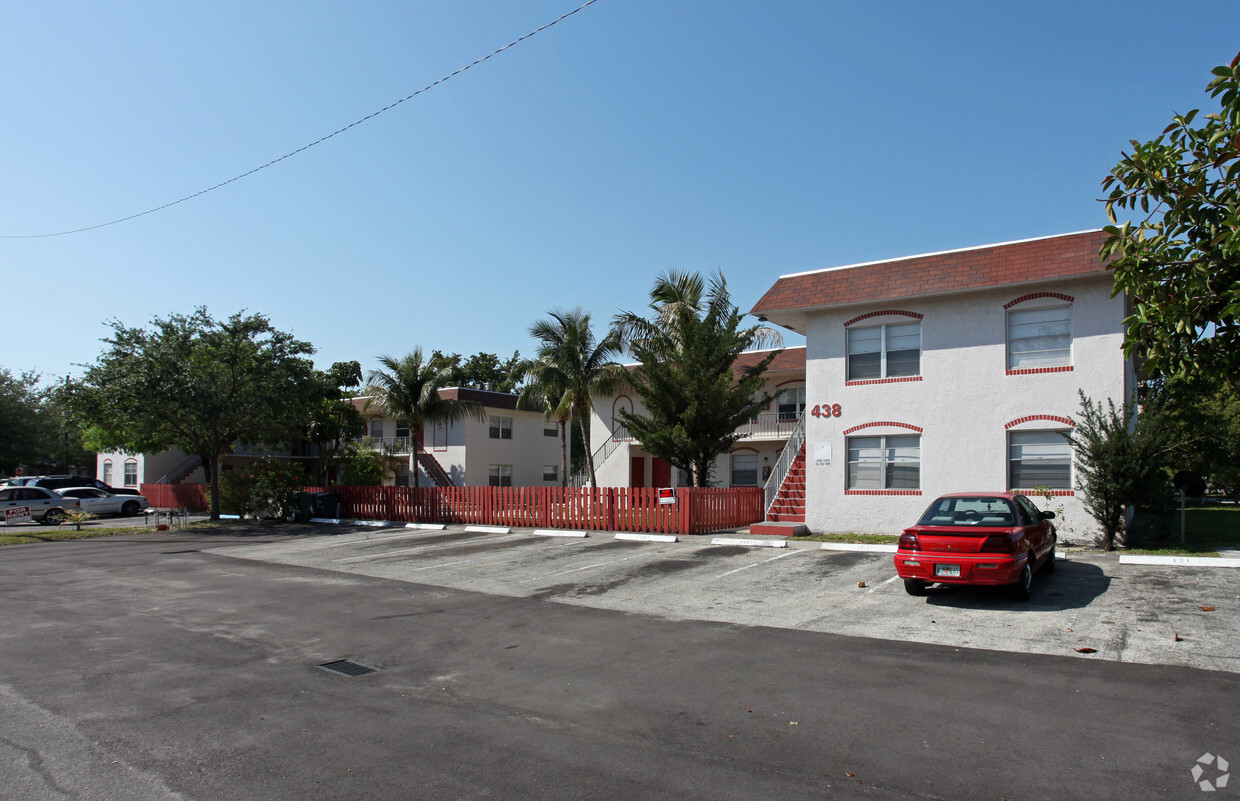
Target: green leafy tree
(1179,261)
(1202,416)
(694,402)
(21,429)
(571,362)
(361,466)
(335,421)
(407,390)
(200,385)
(480,370)
(1119,465)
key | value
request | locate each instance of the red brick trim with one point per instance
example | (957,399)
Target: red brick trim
(883,423)
(1032,417)
(743,448)
(1065,368)
(790,381)
(881,492)
(884,312)
(1037,295)
(1059,493)
(865,382)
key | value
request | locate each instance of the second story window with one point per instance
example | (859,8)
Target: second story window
(884,351)
(1039,337)
(791,403)
(501,428)
(376,428)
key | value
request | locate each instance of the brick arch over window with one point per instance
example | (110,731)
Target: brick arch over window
(1036,295)
(887,423)
(1030,418)
(884,313)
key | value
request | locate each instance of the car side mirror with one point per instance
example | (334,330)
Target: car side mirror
(1048,515)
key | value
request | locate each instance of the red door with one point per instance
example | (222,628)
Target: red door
(637,472)
(662,473)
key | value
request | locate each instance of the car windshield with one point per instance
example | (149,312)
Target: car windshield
(970,511)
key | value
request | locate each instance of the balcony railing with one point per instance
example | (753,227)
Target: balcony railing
(387,444)
(770,424)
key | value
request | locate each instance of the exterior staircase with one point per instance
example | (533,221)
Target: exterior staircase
(786,515)
(433,469)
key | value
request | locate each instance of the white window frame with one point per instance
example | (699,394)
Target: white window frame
(747,457)
(1027,359)
(500,475)
(1049,449)
(107,472)
(883,348)
(500,428)
(131,469)
(551,472)
(376,428)
(886,460)
(551,431)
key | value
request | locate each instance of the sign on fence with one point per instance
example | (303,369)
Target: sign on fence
(667,495)
(16,514)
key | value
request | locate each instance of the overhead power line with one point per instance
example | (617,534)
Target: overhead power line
(304,148)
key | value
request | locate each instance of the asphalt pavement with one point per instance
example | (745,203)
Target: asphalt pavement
(161,666)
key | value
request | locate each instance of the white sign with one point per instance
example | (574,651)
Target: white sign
(822,454)
(16,514)
(667,495)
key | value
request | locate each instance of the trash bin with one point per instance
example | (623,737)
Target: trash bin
(305,507)
(325,504)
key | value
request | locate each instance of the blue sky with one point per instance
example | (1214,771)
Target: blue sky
(635,136)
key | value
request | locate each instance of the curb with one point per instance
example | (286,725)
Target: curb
(648,537)
(490,529)
(749,543)
(379,523)
(858,546)
(555,532)
(335,521)
(427,526)
(1182,561)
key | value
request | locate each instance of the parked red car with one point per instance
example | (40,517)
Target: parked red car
(991,538)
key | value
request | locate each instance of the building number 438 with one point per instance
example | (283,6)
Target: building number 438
(826,410)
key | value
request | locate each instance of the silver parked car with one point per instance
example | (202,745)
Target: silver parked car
(44,505)
(99,502)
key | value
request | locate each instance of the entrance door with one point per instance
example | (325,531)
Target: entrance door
(662,473)
(637,472)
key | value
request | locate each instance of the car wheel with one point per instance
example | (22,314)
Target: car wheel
(915,586)
(129,509)
(1049,567)
(52,517)
(1022,588)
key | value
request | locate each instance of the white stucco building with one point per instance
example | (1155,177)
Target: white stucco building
(620,461)
(513,447)
(951,372)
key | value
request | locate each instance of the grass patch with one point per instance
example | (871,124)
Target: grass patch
(1189,550)
(16,536)
(857,539)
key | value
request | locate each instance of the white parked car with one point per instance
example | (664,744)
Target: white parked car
(44,505)
(99,502)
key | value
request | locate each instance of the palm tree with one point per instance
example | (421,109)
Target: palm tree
(674,296)
(574,366)
(407,390)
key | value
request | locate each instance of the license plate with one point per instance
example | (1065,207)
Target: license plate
(947,570)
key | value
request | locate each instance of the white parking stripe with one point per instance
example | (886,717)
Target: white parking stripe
(763,562)
(884,584)
(596,564)
(439,546)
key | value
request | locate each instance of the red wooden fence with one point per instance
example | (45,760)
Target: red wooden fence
(696,511)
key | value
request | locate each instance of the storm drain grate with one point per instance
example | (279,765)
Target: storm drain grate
(347,667)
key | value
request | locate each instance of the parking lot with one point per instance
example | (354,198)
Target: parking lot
(1092,607)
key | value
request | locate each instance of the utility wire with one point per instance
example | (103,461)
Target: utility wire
(303,148)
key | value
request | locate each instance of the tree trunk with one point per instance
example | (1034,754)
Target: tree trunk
(414,449)
(563,454)
(211,466)
(581,424)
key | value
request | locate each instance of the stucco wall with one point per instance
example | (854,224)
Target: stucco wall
(964,401)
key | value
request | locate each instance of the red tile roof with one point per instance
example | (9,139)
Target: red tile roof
(1064,256)
(788,359)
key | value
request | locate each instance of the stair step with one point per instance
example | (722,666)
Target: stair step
(780,517)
